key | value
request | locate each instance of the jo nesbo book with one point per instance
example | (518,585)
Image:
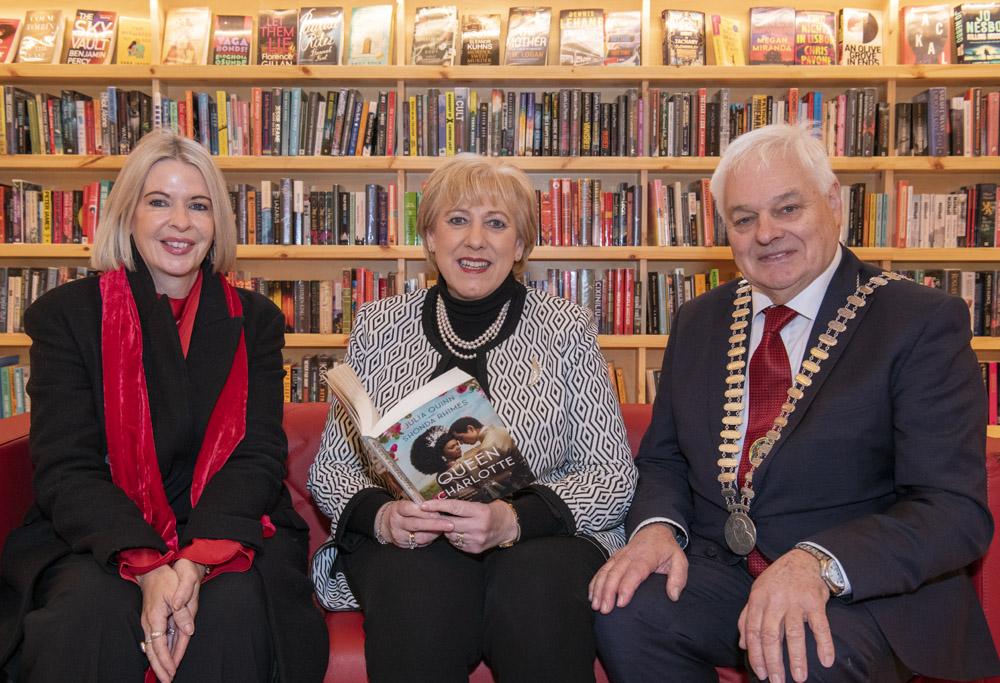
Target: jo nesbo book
(185,38)
(276,36)
(92,39)
(481,39)
(443,440)
(772,35)
(41,37)
(623,38)
(977,33)
(321,35)
(528,36)
(232,40)
(434,34)
(859,37)
(683,37)
(135,41)
(581,37)
(371,34)
(10,31)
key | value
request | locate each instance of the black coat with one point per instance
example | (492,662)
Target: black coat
(79,509)
(882,462)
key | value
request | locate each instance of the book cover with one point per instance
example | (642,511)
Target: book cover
(435,30)
(321,35)
(481,39)
(371,34)
(528,36)
(10,31)
(185,36)
(925,35)
(683,37)
(92,39)
(135,41)
(977,33)
(232,40)
(815,31)
(41,37)
(727,41)
(859,37)
(772,35)
(623,38)
(581,37)
(443,440)
(276,36)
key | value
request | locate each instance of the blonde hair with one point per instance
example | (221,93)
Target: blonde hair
(471,180)
(112,247)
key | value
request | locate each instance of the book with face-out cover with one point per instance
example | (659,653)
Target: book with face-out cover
(443,440)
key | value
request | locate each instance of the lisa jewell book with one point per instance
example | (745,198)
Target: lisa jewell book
(443,440)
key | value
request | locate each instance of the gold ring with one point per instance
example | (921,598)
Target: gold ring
(155,634)
(412,543)
(459,539)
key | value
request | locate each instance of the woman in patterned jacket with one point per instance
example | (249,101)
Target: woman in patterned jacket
(450,582)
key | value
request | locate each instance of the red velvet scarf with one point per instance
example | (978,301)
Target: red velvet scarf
(128,424)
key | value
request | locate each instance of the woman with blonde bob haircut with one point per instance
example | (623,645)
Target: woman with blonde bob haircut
(162,544)
(450,582)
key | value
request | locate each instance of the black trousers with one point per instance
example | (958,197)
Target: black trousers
(431,614)
(653,639)
(85,628)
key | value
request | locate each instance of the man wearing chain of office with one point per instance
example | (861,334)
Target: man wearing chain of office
(812,485)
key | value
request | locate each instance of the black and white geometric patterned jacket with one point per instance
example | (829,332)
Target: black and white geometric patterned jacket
(548,383)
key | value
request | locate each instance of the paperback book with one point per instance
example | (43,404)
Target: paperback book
(41,37)
(481,39)
(435,30)
(815,34)
(683,37)
(321,35)
(925,35)
(185,36)
(727,42)
(623,38)
(371,34)
(772,35)
(859,37)
(135,41)
(232,40)
(92,39)
(977,33)
(443,440)
(581,37)
(276,37)
(10,31)
(528,36)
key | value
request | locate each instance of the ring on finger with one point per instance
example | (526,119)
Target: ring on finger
(411,542)
(154,634)
(459,540)
(142,646)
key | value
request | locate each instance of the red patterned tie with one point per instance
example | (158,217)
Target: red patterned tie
(770,377)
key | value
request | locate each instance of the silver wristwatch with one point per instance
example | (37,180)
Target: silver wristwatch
(829,569)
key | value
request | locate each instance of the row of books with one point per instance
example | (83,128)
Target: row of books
(32,213)
(305,378)
(72,122)
(977,288)
(684,215)
(21,287)
(667,291)
(567,122)
(992,382)
(612,295)
(935,124)
(854,123)
(965,218)
(14,375)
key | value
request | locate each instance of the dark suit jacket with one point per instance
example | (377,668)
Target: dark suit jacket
(79,509)
(882,463)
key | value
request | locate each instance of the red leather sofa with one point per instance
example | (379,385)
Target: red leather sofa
(304,424)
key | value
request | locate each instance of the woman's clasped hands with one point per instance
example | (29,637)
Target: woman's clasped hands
(469,527)
(169,608)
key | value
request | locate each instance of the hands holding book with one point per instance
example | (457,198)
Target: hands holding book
(469,527)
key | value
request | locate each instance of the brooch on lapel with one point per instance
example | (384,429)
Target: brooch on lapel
(536,372)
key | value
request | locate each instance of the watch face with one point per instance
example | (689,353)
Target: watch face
(833,577)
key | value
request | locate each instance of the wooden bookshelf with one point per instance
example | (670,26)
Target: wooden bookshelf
(896,83)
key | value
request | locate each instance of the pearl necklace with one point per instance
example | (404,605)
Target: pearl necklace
(740,532)
(454,343)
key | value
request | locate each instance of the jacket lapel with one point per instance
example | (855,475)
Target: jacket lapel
(844,282)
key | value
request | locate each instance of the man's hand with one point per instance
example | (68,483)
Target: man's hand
(786,597)
(654,548)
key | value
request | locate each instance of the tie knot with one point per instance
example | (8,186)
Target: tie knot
(776,317)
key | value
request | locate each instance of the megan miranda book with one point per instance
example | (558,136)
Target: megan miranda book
(443,440)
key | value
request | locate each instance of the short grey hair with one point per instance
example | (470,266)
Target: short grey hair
(112,245)
(753,151)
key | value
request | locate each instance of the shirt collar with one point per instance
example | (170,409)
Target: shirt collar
(807,302)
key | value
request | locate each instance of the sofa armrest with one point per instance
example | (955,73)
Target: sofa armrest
(16,494)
